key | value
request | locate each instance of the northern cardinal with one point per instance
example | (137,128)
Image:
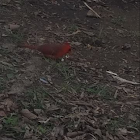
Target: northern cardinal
(54,51)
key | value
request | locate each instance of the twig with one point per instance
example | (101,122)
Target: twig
(74,134)
(81,103)
(115,76)
(97,15)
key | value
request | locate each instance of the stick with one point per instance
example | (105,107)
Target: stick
(115,76)
(97,15)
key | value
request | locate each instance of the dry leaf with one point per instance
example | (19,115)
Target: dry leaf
(44,121)
(13,26)
(5,138)
(52,108)
(16,89)
(10,105)
(28,114)
(89,47)
(67,138)
(82,95)
(34,138)
(37,111)
(122,131)
(2,114)
(89,33)
(49,79)
(28,134)
(1,106)
(132,117)
(98,132)
(109,136)
(27,82)
(90,14)
(58,131)
(74,134)
(76,43)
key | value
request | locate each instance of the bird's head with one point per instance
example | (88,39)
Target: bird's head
(67,47)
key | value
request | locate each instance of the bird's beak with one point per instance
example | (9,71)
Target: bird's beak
(67,56)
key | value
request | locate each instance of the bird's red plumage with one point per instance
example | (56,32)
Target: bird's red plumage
(51,50)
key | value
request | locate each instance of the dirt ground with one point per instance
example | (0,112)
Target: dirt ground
(78,97)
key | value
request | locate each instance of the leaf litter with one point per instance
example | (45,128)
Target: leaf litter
(68,109)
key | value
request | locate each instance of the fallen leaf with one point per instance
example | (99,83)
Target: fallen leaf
(5,138)
(27,82)
(74,134)
(10,105)
(28,134)
(37,111)
(109,136)
(13,26)
(89,47)
(2,114)
(67,138)
(44,121)
(90,14)
(122,131)
(16,89)
(34,138)
(82,95)
(52,108)
(49,79)
(58,131)
(132,117)
(89,33)
(76,43)
(1,106)
(98,132)
(28,114)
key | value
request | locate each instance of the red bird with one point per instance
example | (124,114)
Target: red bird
(54,51)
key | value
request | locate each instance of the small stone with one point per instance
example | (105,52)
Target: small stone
(90,13)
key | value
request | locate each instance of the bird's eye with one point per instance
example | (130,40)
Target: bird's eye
(69,49)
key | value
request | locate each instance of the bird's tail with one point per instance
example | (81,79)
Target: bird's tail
(32,47)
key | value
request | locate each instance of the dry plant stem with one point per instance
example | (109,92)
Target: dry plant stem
(97,15)
(115,76)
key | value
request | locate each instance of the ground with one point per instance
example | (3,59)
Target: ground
(73,99)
